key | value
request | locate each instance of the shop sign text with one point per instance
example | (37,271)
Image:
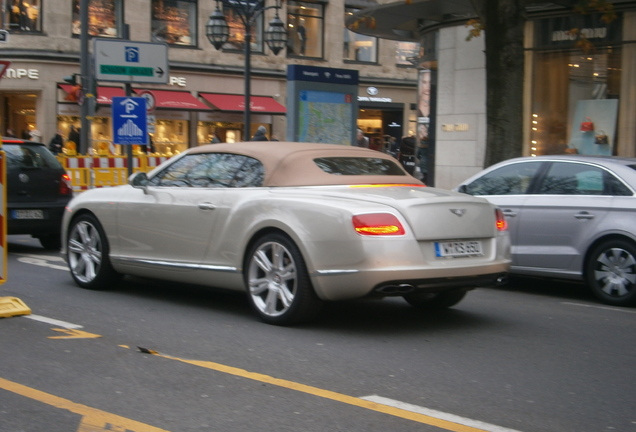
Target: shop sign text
(374,99)
(457,127)
(33,74)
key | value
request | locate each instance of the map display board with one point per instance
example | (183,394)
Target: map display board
(322,104)
(325,117)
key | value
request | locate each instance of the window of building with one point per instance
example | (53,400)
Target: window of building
(236,39)
(104,18)
(406,53)
(305,24)
(357,47)
(174,22)
(571,87)
(23,16)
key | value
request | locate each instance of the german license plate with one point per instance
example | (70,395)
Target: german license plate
(28,214)
(458,249)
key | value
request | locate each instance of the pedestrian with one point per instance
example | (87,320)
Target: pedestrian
(35,135)
(74,136)
(260,134)
(10,133)
(56,143)
(361,140)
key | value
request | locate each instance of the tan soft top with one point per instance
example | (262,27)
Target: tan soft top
(291,163)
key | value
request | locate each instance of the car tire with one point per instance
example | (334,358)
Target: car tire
(611,272)
(51,241)
(87,254)
(277,282)
(435,301)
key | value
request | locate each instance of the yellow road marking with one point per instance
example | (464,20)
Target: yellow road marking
(91,417)
(327,394)
(74,334)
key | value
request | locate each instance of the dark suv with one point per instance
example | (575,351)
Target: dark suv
(38,189)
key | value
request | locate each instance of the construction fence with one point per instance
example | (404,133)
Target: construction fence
(88,172)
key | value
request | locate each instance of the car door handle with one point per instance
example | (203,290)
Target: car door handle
(509,213)
(207,206)
(584,215)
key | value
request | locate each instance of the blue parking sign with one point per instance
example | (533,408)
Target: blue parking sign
(130,125)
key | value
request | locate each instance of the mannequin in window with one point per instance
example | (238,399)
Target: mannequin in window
(302,37)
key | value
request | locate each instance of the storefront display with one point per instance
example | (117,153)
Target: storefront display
(173,21)
(102,17)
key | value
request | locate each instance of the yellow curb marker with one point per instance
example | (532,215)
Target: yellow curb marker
(13,306)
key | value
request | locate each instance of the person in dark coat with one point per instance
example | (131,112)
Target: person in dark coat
(74,136)
(260,134)
(56,144)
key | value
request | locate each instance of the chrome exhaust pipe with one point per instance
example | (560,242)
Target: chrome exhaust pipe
(400,289)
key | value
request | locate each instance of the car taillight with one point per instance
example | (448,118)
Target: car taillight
(500,223)
(377,224)
(66,188)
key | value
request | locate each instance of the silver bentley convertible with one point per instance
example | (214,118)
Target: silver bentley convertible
(291,224)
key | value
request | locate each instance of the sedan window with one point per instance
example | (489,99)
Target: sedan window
(566,178)
(511,179)
(211,170)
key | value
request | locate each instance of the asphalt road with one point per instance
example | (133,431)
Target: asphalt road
(535,356)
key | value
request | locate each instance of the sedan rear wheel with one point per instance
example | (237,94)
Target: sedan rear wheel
(87,250)
(435,301)
(278,285)
(611,272)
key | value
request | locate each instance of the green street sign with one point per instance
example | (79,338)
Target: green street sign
(126,70)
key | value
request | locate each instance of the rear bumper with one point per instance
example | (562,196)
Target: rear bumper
(51,224)
(356,284)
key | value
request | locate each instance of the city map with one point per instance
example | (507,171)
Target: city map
(325,117)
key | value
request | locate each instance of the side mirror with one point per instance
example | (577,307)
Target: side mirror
(139,180)
(462,189)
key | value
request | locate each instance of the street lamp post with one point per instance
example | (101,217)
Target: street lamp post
(218,33)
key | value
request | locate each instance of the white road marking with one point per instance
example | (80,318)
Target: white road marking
(53,321)
(43,261)
(437,414)
(614,309)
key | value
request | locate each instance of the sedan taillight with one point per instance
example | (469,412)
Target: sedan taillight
(66,188)
(500,223)
(377,224)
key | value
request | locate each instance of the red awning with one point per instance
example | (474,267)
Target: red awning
(179,100)
(259,104)
(105,95)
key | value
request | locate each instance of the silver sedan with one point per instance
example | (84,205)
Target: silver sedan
(291,224)
(570,217)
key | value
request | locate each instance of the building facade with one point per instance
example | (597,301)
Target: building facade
(578,97)
(203,98)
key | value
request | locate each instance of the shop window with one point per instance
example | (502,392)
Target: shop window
(24,16)
(357,47)
(174,22)
(406,53)
(104,18)
(569,87)
(171,137)
(305,23)
(236,39)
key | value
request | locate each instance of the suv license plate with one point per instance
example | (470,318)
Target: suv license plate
(28,214)
(458,249)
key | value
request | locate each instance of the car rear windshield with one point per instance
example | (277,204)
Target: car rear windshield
(29,156)
(358,166)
